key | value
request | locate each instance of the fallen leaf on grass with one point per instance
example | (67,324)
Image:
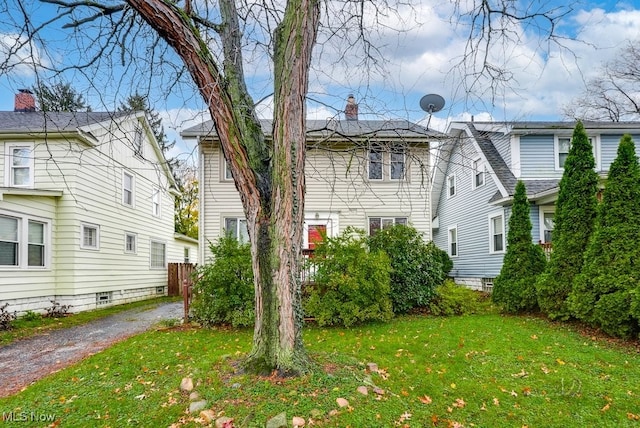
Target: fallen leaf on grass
(606,407)
(633,417)
(425,399)
(459,403)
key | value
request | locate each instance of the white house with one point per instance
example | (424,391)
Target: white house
(86,209)
(363,173)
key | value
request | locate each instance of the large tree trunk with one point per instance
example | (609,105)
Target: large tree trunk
(269,177)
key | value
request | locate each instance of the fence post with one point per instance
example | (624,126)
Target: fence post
(185,299)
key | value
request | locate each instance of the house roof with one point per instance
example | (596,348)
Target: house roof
(38,121)
(321,129)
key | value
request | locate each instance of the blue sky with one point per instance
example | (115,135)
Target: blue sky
(417,61)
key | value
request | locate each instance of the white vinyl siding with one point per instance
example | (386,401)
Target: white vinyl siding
(496,233)
(19,165)
(157,255)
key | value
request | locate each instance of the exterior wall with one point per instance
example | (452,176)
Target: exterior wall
(469,210)
(338,194)
(90,177)
(502,144)
(179,247)
(537,157)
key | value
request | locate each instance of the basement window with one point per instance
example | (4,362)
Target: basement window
(104,298)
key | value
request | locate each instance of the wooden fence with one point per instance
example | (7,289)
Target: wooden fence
(178,274)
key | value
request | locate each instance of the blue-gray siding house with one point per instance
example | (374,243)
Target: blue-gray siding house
(474,178)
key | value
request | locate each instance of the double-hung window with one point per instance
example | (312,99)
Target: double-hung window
(155,202)
(19,165)
(377,223)
(496,233)
(562,147)
(128,189)
(89,236)
(236,228)
(23,242)
(453,241)
(451,186)
(396,163)
(158,255)
(393,156)
(375,163)
(130,242)
(478,173)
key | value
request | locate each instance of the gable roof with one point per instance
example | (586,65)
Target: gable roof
(338,129)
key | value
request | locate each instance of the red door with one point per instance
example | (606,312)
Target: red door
(315,234)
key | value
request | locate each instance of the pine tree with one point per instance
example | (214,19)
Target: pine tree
(602,293)
(574,220)
(514,288)
(59,97)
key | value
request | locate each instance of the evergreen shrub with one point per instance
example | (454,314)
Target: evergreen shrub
(453,299)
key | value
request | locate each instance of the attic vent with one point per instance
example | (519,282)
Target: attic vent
(487,284)
(104,298)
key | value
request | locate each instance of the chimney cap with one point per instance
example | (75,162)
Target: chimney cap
(25,91)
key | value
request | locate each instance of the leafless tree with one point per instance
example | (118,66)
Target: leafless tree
(208,44)
(615,94)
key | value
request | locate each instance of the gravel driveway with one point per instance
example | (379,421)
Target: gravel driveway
(26,361)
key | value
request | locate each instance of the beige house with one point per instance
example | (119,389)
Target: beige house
(86,209)
(363,173)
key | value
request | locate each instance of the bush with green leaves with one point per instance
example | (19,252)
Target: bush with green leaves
(224,292)
(417,267)
(453,299)
(573,223)
(514,288)
(351,283)
(604,291)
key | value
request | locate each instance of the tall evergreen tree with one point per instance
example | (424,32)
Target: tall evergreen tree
(514,288)
(138,102)
(602,293)
(574,220)
(59,97)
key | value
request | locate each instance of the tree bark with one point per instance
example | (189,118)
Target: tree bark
(268,176)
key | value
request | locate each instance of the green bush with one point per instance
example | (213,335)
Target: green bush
(351,283)
(224,292)
(417,266)
(453,299)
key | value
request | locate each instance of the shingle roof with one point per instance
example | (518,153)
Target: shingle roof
(327,128)
(11,121)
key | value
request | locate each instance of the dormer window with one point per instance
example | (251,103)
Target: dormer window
(137,141)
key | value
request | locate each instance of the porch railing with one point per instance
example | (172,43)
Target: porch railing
(546,249)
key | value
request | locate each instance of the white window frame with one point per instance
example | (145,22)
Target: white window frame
(225,170)
(237,232)
(479,169)
(544,209)
(492,232)
(153,265)
(23,243)
(86,226)
(387,220)
(187,254)
(451,184)
(156,201)
(9,167)
(138,141)
(125,174)
(451,253)
(594,140)
(134,237)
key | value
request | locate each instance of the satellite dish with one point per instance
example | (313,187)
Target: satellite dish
(431,103)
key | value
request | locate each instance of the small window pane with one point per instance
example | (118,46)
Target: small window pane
(401,220)
(8,241)
(89,237)
(158,255)
(8,253)
(374,225)
(397,164)
(20,156)
(243,231)
(231,227)
(8,229)
(375,164)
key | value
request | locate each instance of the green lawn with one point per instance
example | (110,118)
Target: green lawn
(480,370)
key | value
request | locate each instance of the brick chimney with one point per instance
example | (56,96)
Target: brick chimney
(351,110)
(25,101)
